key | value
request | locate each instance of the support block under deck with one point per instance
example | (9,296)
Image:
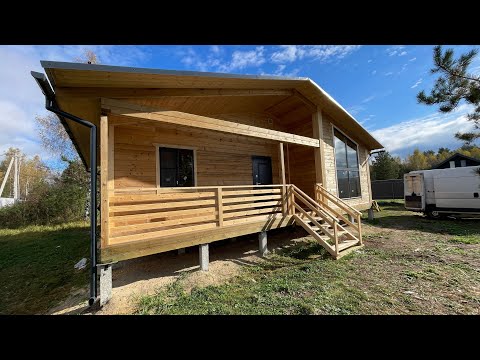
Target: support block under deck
(203,255)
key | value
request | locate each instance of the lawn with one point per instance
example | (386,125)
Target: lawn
(37,266)
(409,265)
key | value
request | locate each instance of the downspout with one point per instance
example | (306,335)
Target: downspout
(51,105)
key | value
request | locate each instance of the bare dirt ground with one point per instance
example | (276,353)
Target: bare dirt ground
(144,276)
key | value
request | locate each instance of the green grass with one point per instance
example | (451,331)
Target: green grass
(37,266)
(466,239)
(409,266)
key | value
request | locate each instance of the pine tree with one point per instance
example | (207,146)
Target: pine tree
(385,167)
(454,85)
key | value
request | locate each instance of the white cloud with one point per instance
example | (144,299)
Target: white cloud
(428,132)
(280,71)
(21,98)
(413,59)
(356,109)
(369,61)
(288,53)
(374,72)
(215,49)
(396,50)
(389,73)
(242,59)
(404,67)
(419,81)
(366,119)
(324,53)
(368,99)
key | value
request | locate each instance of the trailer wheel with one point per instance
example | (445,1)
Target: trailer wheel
(434,214)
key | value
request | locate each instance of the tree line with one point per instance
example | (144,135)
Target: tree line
(385,166)
(48,196)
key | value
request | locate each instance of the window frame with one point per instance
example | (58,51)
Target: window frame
(335,163)
(157,162)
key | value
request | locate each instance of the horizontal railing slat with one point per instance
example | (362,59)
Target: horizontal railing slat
(168,205)
(138,214)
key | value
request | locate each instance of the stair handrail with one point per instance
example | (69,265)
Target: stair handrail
(351,208)
(319,211)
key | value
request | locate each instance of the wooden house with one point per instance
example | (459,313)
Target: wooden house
(188,158)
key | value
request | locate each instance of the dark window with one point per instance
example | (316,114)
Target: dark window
(176,167)
(346,161)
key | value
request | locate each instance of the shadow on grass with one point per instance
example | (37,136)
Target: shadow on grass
(37,267)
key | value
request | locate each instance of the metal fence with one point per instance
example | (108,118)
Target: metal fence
(387,189)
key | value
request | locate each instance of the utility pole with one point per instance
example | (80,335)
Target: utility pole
(16,180)
(6,176)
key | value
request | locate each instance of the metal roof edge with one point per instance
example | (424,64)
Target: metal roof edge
(139,70)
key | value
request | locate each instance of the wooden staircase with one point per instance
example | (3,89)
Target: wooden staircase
(324,219)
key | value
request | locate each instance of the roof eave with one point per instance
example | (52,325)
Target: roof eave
(377,144)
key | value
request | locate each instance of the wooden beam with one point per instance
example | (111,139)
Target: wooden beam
(307,102)
(320,171)
(123,108)
(173,92)
(104,181)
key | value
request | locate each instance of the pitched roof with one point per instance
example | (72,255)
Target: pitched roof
(457,154)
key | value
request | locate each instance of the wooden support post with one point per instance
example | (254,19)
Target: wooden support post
(104,181)
(220,206)
(288,164)
(320,171)
(359,224)
(291,201)
(281,169)
(335,235)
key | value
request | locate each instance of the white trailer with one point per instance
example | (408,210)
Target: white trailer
(442,192)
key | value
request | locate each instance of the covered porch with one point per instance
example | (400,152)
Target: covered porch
(139,219)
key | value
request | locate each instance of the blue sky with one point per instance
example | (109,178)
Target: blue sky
(376,84)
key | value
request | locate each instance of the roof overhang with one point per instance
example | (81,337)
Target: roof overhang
(68,76)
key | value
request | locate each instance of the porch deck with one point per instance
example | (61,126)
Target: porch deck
(152,220)
(162,219)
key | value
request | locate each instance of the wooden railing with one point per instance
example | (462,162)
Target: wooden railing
(142,214)
(311,207)
(137,214)
(323,196)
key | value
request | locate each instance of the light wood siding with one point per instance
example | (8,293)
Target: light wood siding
(302,159)
(222,159)
(331,183)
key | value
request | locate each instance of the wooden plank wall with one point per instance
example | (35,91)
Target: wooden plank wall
(222,159)
(302,158)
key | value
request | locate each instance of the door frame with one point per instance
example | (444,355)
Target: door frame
(157,160)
